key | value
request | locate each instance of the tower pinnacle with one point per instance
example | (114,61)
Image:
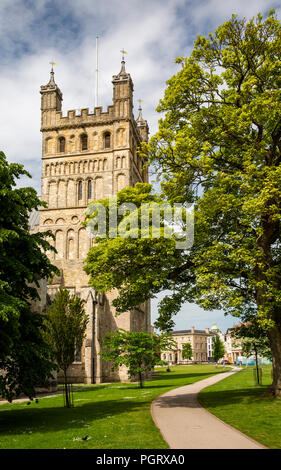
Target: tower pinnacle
(51,98)
(142,124)
(140,117)
(52,73)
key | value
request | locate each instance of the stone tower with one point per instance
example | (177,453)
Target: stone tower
(88,156)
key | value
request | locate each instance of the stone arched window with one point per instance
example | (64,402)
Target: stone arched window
(84,142)
(90,189)
(61,144)
(107,139)
(80,190)
(78,355)
(70,244)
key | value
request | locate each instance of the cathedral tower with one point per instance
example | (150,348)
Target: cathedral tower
(88,156)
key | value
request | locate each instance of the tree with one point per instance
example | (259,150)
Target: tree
(25,360)
(218,348)
(253,341)
(187,352)
(139,351)
(218,147)
(139,267)
(66,323)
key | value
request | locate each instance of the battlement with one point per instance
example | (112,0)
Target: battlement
(74,118)
(84,115)
(51,105)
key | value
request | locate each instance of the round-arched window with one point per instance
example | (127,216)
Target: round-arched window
(61,144)
(84,142)
(107,140)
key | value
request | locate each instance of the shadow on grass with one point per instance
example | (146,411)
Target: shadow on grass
(58,418)
(231,397)
(210,399)
(148,384)
(187,375)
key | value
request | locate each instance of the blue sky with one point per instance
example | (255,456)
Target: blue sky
(153,32)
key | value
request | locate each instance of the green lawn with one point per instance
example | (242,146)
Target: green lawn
(115,416)
(238,402)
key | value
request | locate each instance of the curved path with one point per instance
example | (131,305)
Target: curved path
(185,424)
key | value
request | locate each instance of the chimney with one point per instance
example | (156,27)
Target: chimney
(192,329)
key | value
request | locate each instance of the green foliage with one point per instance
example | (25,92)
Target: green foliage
(220,133)
(137,267)
(218,146)
(139,351)
(24,357)
(187,352)
(66,323)
(218,348)
(254,339)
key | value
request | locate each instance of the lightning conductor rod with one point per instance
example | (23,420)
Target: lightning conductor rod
(97,71)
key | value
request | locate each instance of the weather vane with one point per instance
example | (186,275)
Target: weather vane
(123,52)
(52,63)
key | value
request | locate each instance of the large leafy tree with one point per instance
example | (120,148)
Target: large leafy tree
(25,359)
(139,351)
(219,147)
(138,267)
(66,323)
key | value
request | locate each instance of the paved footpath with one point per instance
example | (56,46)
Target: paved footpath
(185,424)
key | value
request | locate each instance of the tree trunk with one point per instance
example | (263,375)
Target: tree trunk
(67,402)
(257,365)
(275,344)
(140,380)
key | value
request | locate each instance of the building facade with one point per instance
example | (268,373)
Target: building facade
(198,341)
(85,157)
(233,347)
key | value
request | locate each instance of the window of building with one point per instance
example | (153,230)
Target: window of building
(78,355)
(84,142)
(89,189)
(107,140)
(79,190)
(61,144)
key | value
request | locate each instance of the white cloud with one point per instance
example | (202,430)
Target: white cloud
(214,12)
(152,42)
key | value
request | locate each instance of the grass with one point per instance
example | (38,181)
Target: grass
(237,401)
(114,416)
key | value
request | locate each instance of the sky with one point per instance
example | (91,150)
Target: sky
(34,33)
